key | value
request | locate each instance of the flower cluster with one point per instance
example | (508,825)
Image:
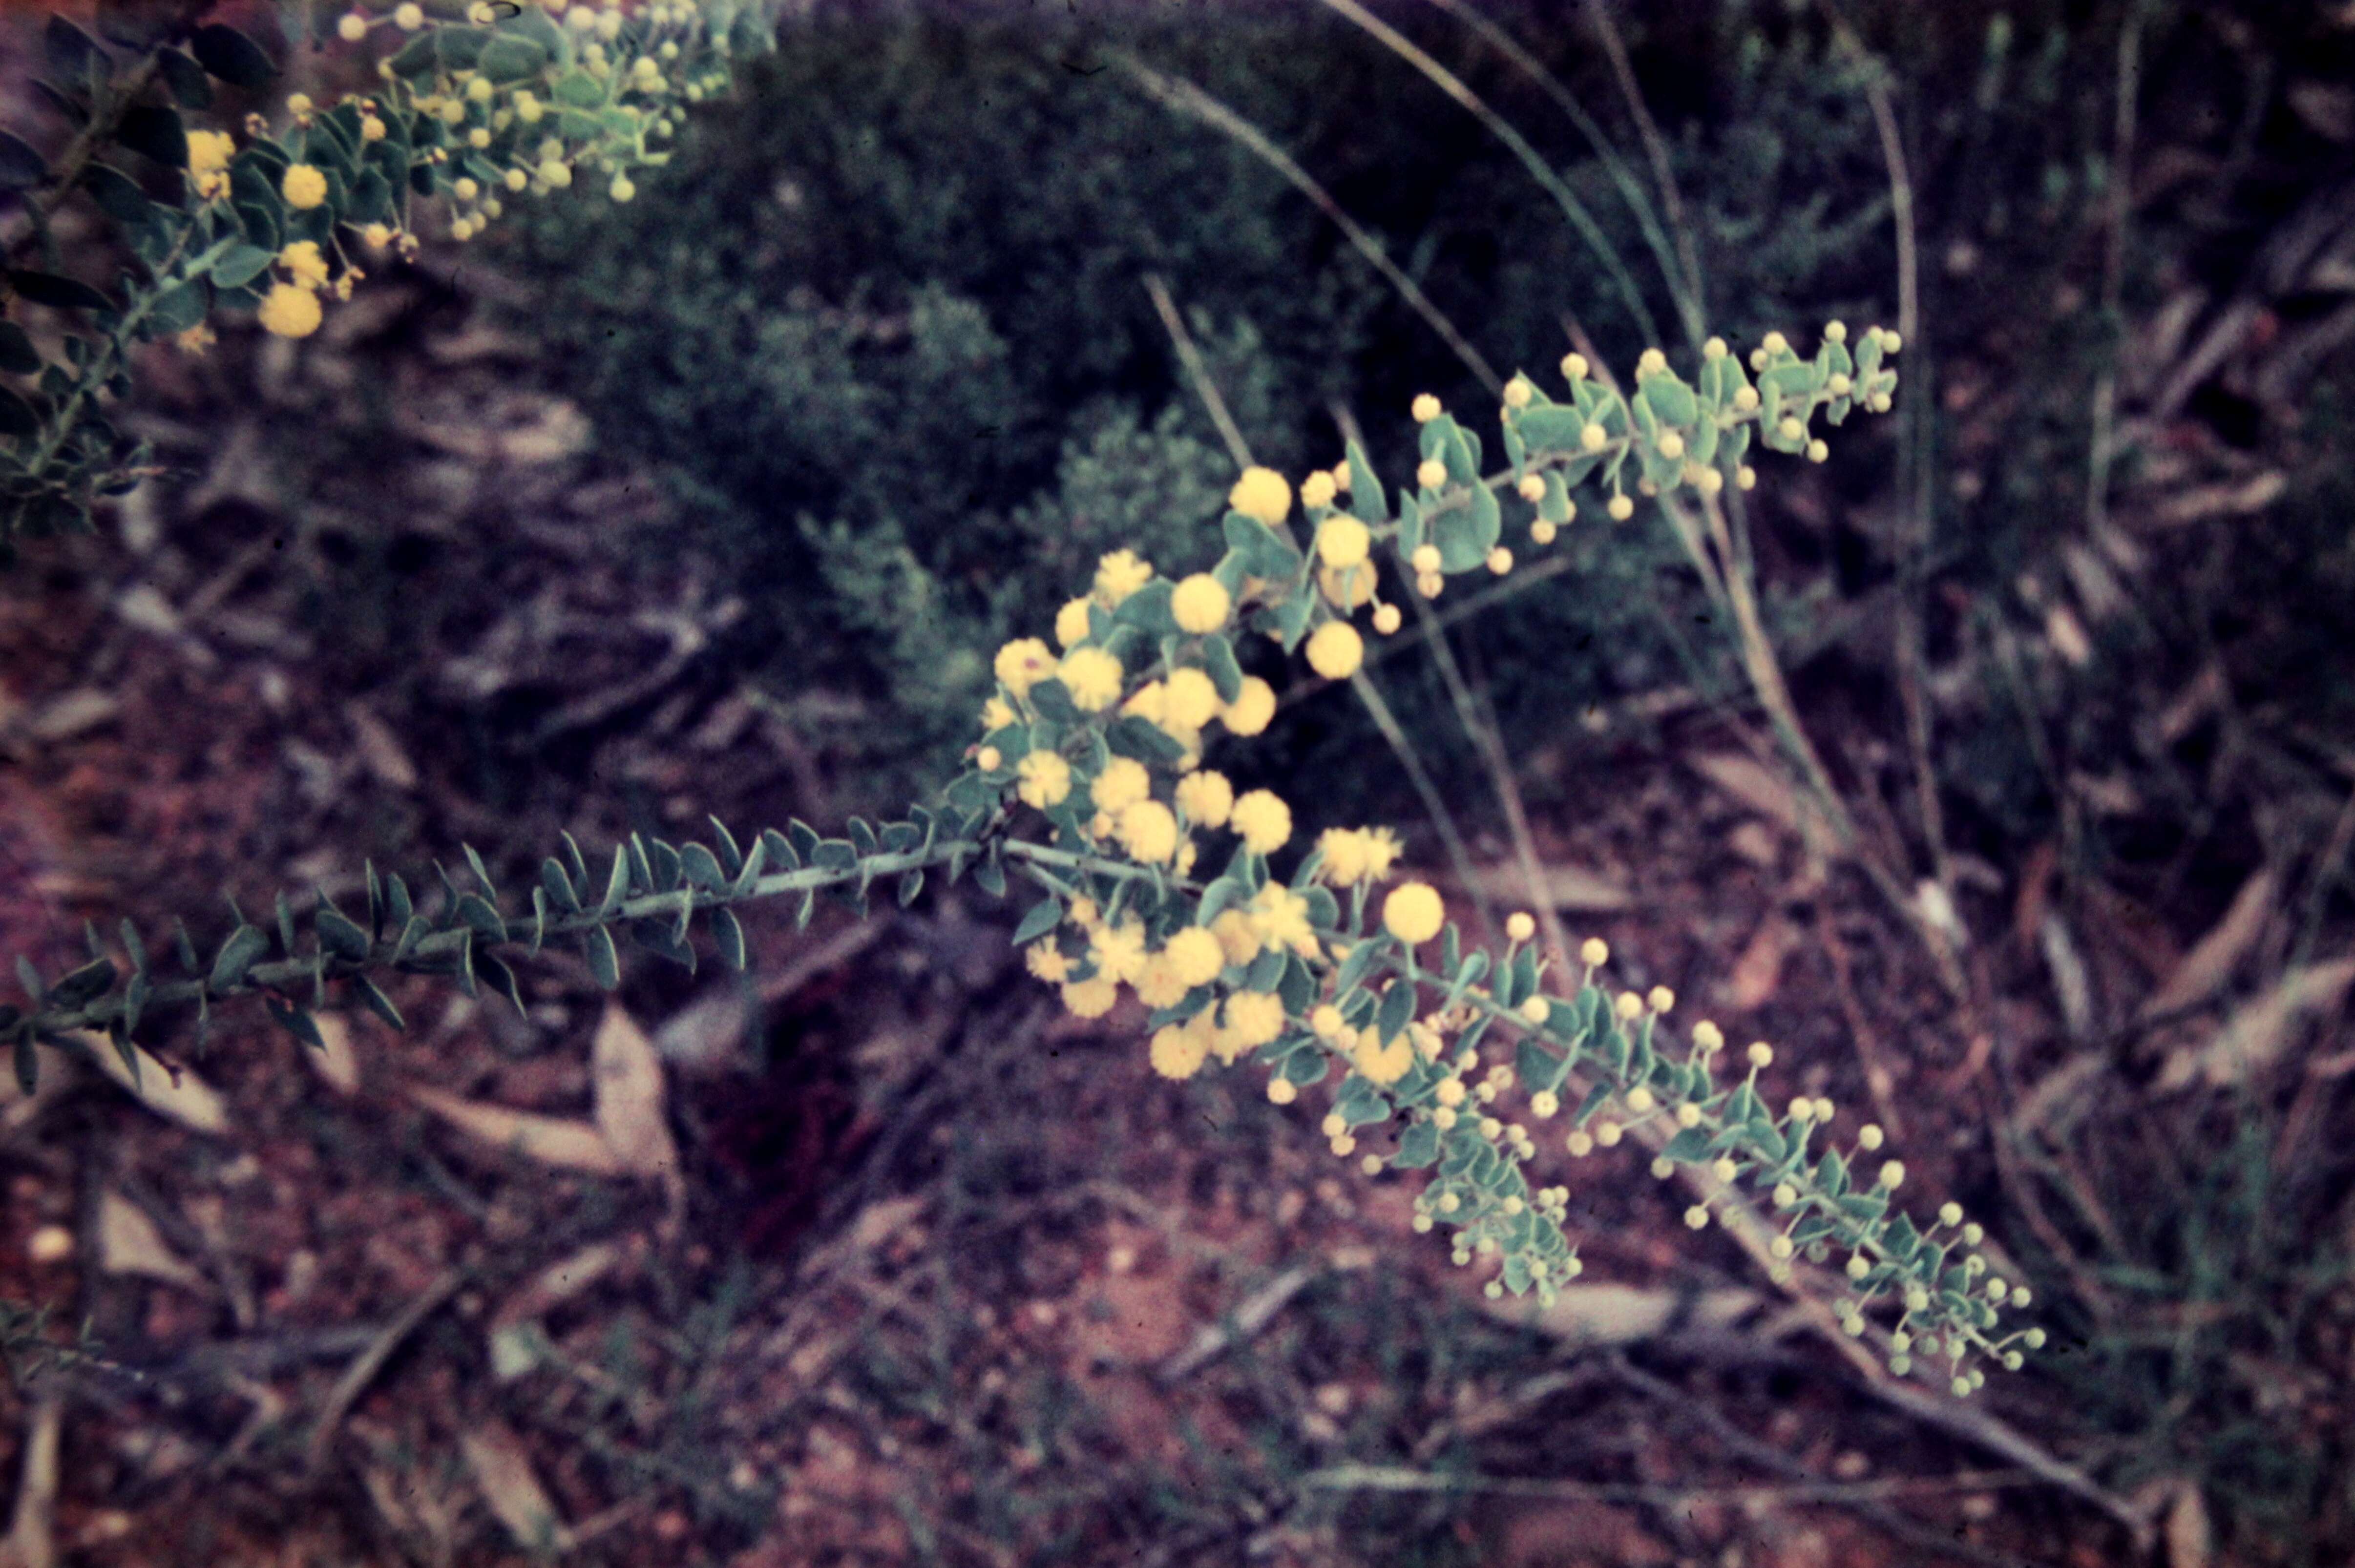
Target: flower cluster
(1172,888)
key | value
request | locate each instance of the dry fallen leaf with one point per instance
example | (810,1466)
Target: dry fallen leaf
(629,1088)
(1565,887)
(551,1140)
(2211,963)
(503,1471)
(1763,791)
(181,1095)
(1604,1315)
(2190,1537)
(1757,973)
(129,1244)
(558,1283)
(380,750)
(2260,1030)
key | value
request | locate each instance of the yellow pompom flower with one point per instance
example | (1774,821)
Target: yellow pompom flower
(1157,985)
(1120,574)
(1382,851)
(1425,408)
(1206,797)
(1148,831)
(1071,622)
(1413,913)
(996,714)
(1249,713)
(1023,664)
(289,310)
(1177,1051)
(1385,1064)
(1046,961)
(1043,780)
(1335,650)
(1431,473)
(1200,605)
(1122,784)
(1196,954)
(1317,490)
(304,187)
(1090,998)
(210,150)
(1343,542)
(1280,918)
(1262,493)
(1263,821)
(1094,676)
(1238,936)
(1254,1018)
(1193,698)
(1118,950)
(303,265)
(1344,849)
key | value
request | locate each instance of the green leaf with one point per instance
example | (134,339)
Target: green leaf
(461,47)
(378,1002)
(294,1021)
(178,308)
(503,980)
(1137,737)
(1539,1067)
(1218,663)
(728,936)
(340,937)
(1418,1147)
(87,983)
(416,57)
(185,79)
(28,1065)
(1670,400)
(237,953)
(701,868)
(1397,1009)
(72,53)
(911,883)
(64,294)
(1366,502)
(482,917)
(559,883)
(17,417)
(17,354)
(509,59)
(1043,917)
(578,89)
(154,131)
(21,167)
(232,57)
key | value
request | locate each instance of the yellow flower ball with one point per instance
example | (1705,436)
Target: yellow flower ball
(1520,925)
(303,263)
(1118,950)
(1249,713)
(1263,821)
(1386,618)
(1382,851)
(352,27)
(304,187)
(1192,699)
(1200,605)
(1023,664)
(1413,913)
(1122,784)
(289,310)
(996,714)
(1262,494)
(1594,953)
(1178,1052)
(1044,779)
(1238,935)
(1425,408)
(1254,1018)
(1317,490)
(1090,998)
(1148,831)
(1620,508)
(1071,622)
(1094,676)
(1343,540)
(1197,955)
(1344,849)
(1206,797)
(1046,961)
(1149,702)
(1157,985)
(210,150)
(1120,574)
(1385,1064)
(1335,650)
(1431,473)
